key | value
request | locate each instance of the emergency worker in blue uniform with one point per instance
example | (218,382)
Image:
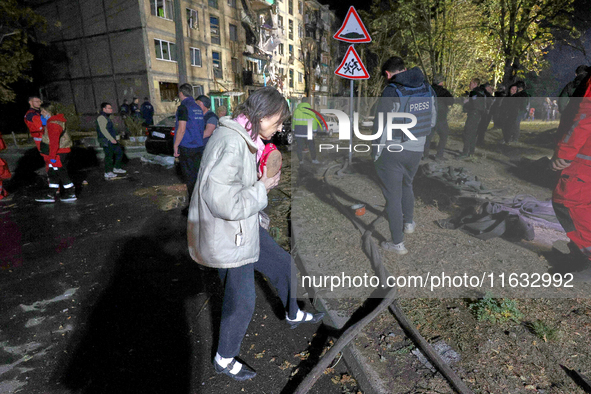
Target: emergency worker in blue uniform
(188,138)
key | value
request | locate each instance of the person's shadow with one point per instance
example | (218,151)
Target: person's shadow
(134,336)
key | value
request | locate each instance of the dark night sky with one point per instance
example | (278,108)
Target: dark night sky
(341,7)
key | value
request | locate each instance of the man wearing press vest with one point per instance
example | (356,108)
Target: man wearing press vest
(188,138)
(407,92)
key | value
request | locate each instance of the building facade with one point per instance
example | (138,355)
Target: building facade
(108,50)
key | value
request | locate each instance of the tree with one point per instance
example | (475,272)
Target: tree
(16,24)
(522,30)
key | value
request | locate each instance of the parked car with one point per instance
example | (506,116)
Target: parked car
(333,125)
(160,137)
(285,136)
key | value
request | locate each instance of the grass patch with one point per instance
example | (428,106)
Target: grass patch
(496,310)
(542,330)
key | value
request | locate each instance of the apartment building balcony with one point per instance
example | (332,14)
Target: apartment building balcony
(258,5)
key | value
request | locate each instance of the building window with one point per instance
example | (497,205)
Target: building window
(290,52)
(168,91)
(192,19)
(252,66)
(214,25)
(281,71)
(300,77)
(232,3)
(195,57)
(217,65)
(213,3)
(290,3)
(165,50)
(235,65)
(281,49)
(300,30)
(233,32)
(300,57)
(218,102)
(290,29)
(301,7)
(197,90)
(290,78)
(161,8)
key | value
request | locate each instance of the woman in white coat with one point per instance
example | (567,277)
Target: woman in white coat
(223,223)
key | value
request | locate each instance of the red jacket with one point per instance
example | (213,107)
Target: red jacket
(54,131)
(575,145)
(33,122)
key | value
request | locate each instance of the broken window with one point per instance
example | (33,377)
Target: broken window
(217,65)
(214,27)
(192,19)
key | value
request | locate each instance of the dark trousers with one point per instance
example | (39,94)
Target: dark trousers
(240,296)
(189,161)
(483,127)
(442,129)
(471,132)
(396,171)
(300,143)
(112,151)
(511,128)
(57,175)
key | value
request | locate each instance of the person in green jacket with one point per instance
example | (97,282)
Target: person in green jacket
(302,114)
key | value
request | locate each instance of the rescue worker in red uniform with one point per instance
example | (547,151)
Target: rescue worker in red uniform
(4,171)
(572,196)
(34,122)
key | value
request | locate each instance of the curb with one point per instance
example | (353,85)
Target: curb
(368,379)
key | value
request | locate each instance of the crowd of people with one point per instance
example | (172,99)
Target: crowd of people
(220,155)
(396,169)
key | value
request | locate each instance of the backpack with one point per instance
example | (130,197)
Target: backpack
(417,101)
(65,140)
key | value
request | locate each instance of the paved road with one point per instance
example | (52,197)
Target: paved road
(100,296)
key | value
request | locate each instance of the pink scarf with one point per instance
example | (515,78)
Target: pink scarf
(244,122)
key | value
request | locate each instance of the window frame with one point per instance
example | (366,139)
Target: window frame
(290,7)
(168,85)
(219,61)
(215,36)
(154,9)
(189,14)
(232,4)
(230,25)
(291,77)
(290,28)
(199,91)
(213,4)
(170,52)
(193,50)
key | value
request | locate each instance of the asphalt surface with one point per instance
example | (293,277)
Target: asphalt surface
(100,296)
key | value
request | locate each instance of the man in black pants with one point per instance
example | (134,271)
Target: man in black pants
(444,101)
(474,105)
(487,115)
(188,139)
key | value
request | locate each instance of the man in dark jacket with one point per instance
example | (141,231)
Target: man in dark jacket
(521,101)
(107,138)
(188,139)
(407,92)
(475,107)
(444,101)
(487,115)
(147,111)
(569,89)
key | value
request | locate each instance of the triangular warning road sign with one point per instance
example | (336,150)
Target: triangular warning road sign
(351,67)
(352,29)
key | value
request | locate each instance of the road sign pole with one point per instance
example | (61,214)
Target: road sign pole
(352,134)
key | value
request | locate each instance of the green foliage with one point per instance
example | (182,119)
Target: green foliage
(135,126)
(71,116)
(543,330)
(496,310)
(15,58)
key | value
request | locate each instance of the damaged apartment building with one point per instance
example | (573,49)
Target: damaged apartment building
(109,50)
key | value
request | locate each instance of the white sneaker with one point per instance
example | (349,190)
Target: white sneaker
(110,175)
(119,171)
(315,161)
(396,248)
(409,228)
